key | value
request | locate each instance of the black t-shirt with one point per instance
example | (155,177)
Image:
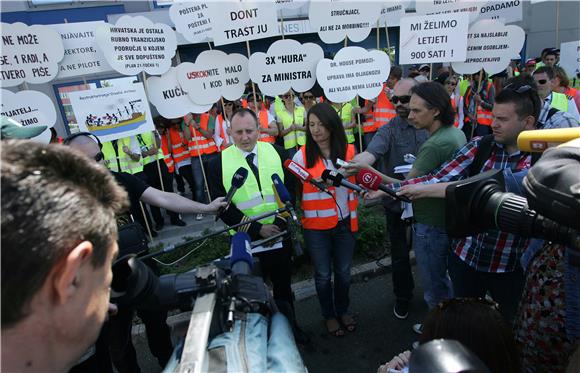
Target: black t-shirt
(135,188)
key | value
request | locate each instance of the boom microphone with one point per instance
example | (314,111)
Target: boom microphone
(238,180)
(241,254)
(372,181)
(302,174)
(337,180)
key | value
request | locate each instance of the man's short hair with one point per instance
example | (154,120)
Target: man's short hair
(396,72)
(522,91)
(243,112)
(53,198)
(548,70)
(436,97)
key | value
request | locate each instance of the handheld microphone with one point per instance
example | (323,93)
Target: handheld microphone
(372,181)
(241,254)
(238,180)
(304,175)
(337,180)
(284,196)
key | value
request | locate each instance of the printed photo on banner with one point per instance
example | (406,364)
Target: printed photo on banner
(235,21)
(192,20)
(29,54)
(113,112)
(286,65)
(435,38)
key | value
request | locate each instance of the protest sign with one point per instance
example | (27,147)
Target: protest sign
(508,11)
(213,75)
(287,64)
(353,71)
(169,99)
(113,112)
(392,13)
(135,44)
(335,20)
(435,38)
(29,108)
(290,4)
(570,58)
(29,54)
(81,53)
(191,19)
(235,21)
(490,46)
(449,7)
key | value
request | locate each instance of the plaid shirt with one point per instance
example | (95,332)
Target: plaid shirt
(493,250)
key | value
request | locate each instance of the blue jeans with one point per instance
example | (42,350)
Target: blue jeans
(431,245)
(332,246)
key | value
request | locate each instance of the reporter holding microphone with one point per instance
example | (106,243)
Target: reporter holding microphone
(329,221)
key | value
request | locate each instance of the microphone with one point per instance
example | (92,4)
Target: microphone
(241,254)
(302,174)
(338,180)
(540,140)
(238,180)
(372,181)
(283,195)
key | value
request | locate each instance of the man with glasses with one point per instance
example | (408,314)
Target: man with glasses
(392,143)
(557,110)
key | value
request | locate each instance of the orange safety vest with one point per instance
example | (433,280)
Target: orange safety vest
(454,105)
(167,157)
(205,145)
(319,209)
(244,103)
(384,109)
(570,92)
(484,117)
(221,126)
(179,146)
(369,123)
(263,119)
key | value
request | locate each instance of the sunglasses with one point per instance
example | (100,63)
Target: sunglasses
(401,99)
(286,96)
(228,104)
(99,156)
(451,83)
(251,99)
(542,81)
(308,97)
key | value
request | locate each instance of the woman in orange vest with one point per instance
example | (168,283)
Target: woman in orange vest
(450,85)
(329,221)
(222,122)
(268,126)
(478,107)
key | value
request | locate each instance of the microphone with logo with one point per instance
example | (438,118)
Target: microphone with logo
(337,180)
(372,181)
(283,197)
(302,174)
(238,179)
(241,261)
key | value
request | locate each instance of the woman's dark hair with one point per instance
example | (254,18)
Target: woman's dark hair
(436,97)
(332,122)
(477,324)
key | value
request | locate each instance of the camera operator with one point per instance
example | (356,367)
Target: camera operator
(58,244)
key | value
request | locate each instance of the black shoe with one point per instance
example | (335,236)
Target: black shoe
(159,226)
(178,222)
(401,309)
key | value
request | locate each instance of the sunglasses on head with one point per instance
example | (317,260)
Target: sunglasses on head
(401,99)
(542,81)
(99,156)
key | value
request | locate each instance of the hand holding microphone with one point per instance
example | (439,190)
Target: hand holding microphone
(238,179)
(372,181)
(337,180)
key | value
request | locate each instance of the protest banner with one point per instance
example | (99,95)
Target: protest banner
(112,112)
(214,74)
(169,99)
(135,44)
(392,13)
(450,7)
(235,21)
(490,46)
(508,11)
(29,54)
(435,38)
(570,58)
(29,108)
(82,56)
(353,71)
(191,19)
(290,4)
(336,20)
(287,64)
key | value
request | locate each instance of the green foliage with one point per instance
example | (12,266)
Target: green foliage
(371,230)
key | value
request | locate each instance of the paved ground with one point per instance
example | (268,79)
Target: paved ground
(379,335)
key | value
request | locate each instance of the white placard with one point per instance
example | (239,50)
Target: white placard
(113,112)
(434,38)
(191,19)
(135,44)
(287,64)
(235,21)
(82,56)
(290,4)
(392,13)
(29,108)
(335,20)
(29,54)
(508,11)
(490,46)
(169,99)
(449,7)
(570,58)
(353,71)
(213,75)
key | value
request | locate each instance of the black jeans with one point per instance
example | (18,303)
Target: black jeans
(403,283)
(277,266)
(505,288)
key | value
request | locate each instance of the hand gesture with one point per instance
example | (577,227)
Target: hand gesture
(269,230)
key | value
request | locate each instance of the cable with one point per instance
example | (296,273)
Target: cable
(183,257)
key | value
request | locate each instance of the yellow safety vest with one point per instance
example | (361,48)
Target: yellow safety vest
(149,142)
(127,164)
(559,101)
(110,156)
(293,138)
(345,113)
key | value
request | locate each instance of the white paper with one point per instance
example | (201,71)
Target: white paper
(509,11)
(29,108)
(450,7)
(192,20)
(570,58)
